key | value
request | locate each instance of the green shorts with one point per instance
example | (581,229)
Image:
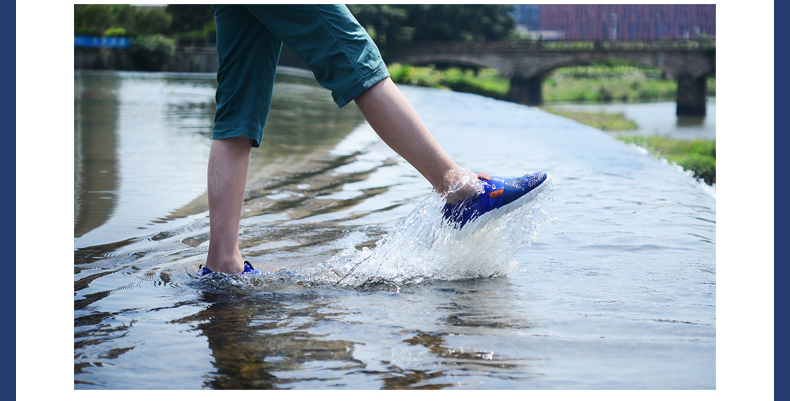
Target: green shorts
(327,38)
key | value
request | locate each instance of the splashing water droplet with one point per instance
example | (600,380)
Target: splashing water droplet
(423,246)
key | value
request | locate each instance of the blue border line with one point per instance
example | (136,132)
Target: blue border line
(8,160)
(781,141)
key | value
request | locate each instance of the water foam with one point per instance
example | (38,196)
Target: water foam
(422,247)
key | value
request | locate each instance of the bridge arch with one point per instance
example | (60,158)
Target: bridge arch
(526,64)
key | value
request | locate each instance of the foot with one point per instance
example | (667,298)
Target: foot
(248,269)
(501,194)
(459,184)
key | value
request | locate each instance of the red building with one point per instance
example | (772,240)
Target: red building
(622,21)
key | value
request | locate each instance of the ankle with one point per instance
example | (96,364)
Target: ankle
(459,184)
(233,264)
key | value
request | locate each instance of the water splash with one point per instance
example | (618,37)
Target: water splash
(424,247)
(420,247)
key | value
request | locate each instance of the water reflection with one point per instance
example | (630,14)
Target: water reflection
(142,142)
(268,340)
(622,281)
(689,121)
(252,337)
(96,173)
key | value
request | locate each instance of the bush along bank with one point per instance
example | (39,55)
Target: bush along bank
(486,82)
(697,156)
(603,81)
(606,81)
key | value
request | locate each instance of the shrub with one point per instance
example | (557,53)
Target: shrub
(702,166)
(697,156)
(84,31)
(114,32)
(152,53)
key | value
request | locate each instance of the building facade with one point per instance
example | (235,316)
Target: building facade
(618,21)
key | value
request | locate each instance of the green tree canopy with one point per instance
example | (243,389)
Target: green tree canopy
(399,25)
(94,16)
(190,17)
(134,19)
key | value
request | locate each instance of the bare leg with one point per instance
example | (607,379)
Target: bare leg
(390,115)
(396,122)
(228,163)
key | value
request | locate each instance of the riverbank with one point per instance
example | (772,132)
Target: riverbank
(603,81)
(601,120)
(486,82)
(697,156)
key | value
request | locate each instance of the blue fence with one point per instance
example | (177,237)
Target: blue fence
(95,41)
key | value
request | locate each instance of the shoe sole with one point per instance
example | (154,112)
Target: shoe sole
(497,213)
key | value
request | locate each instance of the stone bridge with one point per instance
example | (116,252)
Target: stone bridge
(527,63)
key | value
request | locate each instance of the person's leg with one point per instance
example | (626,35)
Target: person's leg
(247,53)
(395,121)
(228,163)
(345,60)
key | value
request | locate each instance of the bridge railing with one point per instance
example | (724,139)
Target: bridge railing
(561,46)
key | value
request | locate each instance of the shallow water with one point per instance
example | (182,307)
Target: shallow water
(607,280)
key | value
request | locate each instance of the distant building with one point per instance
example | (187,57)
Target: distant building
(616,21)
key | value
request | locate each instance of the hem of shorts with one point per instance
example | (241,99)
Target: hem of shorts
(351,93)
(250,130)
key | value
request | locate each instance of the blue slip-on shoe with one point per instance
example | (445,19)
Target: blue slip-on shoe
(248,269)
(500,196)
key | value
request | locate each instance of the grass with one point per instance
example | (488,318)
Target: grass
(601,120)
(698,155)
(601,82)
(486,82)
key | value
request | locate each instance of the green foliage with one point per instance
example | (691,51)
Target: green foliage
(608,81)
(94,16)
(711,83)
(152,53)
(417,76)
(98,18)
(115,32)
(401,24)
(150,20)
(697,156)
(83,31)
(486,82)
(123,15)
(191,17)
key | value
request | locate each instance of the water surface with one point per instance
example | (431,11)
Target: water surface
(607,281)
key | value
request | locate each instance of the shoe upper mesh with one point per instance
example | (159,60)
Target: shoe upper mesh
(517,187)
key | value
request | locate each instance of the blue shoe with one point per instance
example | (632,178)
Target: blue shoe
(248,269)
(500,196)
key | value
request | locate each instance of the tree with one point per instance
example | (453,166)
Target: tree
(399,25)
(94,16)
(123,16)
(151,20)
(190,17)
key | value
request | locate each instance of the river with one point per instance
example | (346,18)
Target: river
(606,281)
